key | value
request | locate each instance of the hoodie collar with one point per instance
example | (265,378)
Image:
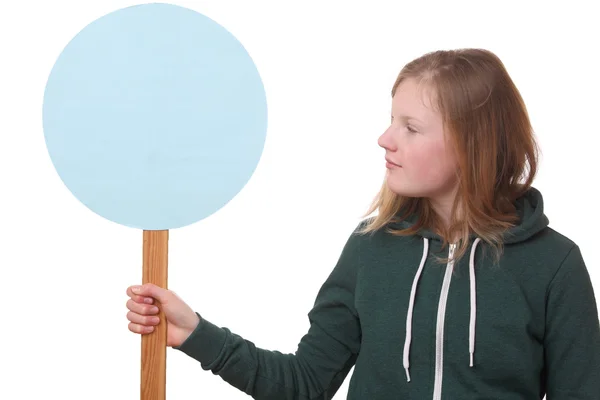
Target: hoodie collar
(530,210)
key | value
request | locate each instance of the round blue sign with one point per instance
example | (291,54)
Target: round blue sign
(155,116)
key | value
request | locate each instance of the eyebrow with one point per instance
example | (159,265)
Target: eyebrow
(406,117)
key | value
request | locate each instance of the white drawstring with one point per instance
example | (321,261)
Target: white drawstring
(410,308)
(473,302)
(411,303)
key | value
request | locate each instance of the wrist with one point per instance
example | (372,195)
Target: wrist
(190,328)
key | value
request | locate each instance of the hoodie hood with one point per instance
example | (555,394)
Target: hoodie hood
(530,210)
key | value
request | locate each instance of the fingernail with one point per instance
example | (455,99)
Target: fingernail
(148,301)
(136,289)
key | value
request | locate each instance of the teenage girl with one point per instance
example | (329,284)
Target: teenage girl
(456,289)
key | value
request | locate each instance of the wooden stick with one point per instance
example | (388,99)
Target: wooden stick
(154,345)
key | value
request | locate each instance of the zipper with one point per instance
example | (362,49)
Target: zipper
(439,335)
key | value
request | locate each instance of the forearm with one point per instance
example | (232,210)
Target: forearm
(263,374)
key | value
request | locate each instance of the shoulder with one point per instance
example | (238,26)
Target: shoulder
(551,242)
(551,253)
(380,241)
(566,253)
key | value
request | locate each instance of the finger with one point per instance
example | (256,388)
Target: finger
(142,299)
(139,299)
(152,290)
(143,309)
(135,328)
(144,320)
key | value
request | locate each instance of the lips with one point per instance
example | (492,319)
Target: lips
(392,163)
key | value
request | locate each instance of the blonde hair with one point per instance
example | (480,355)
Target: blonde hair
(488,127)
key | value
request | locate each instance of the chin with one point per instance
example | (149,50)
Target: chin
(403,190)
(420,191)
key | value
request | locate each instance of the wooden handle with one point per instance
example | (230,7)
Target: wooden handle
(154,345)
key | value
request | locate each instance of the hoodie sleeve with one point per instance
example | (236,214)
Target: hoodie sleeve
(572,339)
(324,356)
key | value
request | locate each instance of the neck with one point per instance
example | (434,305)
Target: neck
(442,206)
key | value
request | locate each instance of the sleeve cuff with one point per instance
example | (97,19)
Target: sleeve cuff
(205,343)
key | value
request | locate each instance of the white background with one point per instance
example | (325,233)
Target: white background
(256,265)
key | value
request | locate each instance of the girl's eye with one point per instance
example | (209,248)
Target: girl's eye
(410,129)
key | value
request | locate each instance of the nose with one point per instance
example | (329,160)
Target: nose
(385,141)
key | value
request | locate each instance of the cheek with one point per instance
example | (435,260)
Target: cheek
(430,163)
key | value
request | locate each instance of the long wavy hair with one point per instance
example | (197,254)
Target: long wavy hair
(488,127)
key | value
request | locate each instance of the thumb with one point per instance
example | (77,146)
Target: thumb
(152,290)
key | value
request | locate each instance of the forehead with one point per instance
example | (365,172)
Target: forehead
(412,100)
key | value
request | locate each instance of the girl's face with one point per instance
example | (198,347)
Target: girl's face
(419,161)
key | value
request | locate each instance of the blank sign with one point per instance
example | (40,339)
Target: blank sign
(155,116)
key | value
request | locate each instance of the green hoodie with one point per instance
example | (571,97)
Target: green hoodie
(415,329)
